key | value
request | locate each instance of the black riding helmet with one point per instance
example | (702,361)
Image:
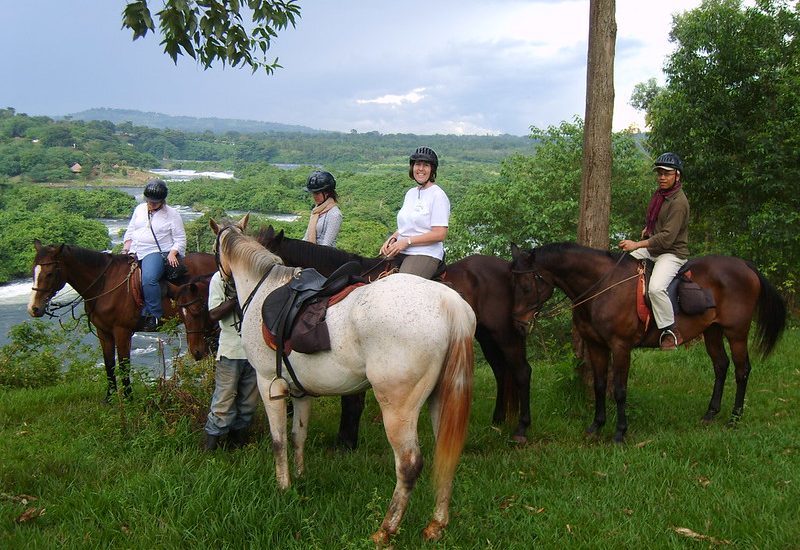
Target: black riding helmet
(670,161)
(320,181)
(155,190)
(425,154)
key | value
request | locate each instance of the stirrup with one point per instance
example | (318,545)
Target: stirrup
(668,332)
(280,391)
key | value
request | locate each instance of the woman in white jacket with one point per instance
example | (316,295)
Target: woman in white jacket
(155,232)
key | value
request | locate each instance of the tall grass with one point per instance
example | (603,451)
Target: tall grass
(72,475)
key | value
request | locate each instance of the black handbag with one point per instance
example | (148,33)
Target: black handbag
(172,274)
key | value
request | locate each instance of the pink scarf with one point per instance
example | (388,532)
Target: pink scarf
(654,207)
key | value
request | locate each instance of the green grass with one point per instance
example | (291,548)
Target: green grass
(148,485)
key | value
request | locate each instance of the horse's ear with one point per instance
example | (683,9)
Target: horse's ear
(515,251)
(243,222)
(37,244)
(279,236)
(269,232)
(213,225)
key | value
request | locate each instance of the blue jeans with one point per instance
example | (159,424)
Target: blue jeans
(235,397)
(152,270)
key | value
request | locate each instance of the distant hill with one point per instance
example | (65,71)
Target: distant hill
(188,123)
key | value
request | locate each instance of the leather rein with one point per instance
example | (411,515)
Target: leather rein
(579,300)
(75,301)
(280,356)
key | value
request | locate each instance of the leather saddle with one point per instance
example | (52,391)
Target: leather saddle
(293,316)
(685,295)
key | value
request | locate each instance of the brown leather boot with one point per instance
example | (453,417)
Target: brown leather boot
(670,339)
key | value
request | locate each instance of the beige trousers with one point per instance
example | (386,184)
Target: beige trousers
(424,266)
(667,265)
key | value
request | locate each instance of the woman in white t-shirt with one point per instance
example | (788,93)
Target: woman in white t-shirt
(422,220)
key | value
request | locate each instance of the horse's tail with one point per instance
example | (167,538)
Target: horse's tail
(771,317)
(454,391)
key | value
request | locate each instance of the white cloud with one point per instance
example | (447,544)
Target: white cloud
(414,96)
(451,66)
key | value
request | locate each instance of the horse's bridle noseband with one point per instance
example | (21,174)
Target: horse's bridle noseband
(536,308)
(57,270)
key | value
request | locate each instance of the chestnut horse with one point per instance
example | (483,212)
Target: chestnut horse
(191,302)
(602,287)
(103,281)
(407,337)
(483,281)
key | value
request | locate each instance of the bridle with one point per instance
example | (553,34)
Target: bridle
(51,291)
(229,277)
(580,299)
(186,305)
(225,276)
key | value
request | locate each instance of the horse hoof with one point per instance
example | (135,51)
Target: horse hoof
(380,538)
(733,422)
(619,439)
(345,444)
(433,531)
(519,439)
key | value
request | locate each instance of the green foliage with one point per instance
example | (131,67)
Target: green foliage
(54,216)
(50,225)
(90,203)
(214,31)
(731,108)
(536,199)
(39,353)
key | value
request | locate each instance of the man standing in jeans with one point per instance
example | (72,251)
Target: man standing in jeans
(235,389)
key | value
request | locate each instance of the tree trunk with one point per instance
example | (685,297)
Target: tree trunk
(595,205)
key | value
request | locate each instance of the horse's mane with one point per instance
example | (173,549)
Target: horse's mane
(559,249)
(304,253)
(240,247)
(82,256)
(204,278)
(319,253)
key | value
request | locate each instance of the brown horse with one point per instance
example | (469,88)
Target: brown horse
(483,281)
(602,288)
(191,302)
(103,281)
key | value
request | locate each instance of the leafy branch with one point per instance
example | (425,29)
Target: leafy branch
(215,30)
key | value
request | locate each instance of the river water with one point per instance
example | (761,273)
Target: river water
(145,352)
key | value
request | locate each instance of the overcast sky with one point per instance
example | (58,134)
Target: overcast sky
(410,66)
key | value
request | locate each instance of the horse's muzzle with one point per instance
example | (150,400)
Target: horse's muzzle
(36,311)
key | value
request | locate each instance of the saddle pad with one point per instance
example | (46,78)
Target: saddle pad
(642,307)
(686,295)
(135,286)
(309,333)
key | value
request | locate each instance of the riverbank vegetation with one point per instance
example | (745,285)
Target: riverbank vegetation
(502,189)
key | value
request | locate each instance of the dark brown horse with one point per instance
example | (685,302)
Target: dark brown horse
(483,281)
(602,287)
(104,282)
(191,302)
